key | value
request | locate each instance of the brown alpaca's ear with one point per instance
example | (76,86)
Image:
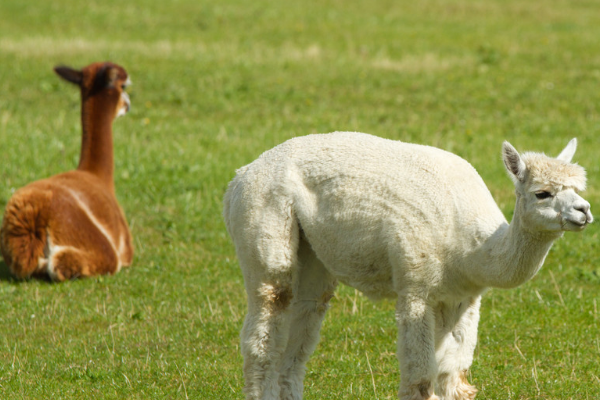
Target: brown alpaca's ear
(107,77)
(69,74)
(112,74)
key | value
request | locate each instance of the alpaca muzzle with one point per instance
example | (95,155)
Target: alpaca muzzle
(580,215)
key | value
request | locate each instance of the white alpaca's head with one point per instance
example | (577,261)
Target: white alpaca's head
(547,190)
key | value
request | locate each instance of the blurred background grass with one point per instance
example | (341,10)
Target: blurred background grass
(217,83)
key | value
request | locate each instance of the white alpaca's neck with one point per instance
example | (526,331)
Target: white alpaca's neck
(512,255)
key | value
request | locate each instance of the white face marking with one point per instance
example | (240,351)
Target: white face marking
(126,104)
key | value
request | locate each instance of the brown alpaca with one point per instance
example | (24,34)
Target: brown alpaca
(71,225)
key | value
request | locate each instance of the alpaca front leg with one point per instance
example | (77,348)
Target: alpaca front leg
(456,338)
(416,349)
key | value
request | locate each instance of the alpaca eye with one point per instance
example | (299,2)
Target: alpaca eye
(543,195)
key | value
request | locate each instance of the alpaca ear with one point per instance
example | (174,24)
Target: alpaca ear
(111,76)
(69,74)
(568,152)
(512,160)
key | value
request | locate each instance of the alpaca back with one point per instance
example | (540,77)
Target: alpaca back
(364,201)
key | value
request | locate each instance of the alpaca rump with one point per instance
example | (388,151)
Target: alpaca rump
(391,219)
(71,225)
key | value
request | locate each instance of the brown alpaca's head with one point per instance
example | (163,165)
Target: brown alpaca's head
(105,81)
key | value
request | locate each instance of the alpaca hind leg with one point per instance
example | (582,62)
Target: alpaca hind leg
(456,338)
(268,259)
(311,300)
(66,262)
(23,232)
(85,255)
(263,341)
(79,248)
(416,348)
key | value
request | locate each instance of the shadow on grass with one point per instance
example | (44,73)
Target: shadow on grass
(6,276)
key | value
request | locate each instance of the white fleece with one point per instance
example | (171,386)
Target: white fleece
(391,219)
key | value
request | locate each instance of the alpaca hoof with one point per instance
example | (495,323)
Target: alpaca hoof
(456,387)
(466,392)
(423,391)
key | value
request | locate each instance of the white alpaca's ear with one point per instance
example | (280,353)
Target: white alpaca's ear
(512,160)
(568,152)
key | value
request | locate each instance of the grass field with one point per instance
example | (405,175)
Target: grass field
(216,83)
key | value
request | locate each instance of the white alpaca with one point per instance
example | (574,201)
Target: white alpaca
(391,219)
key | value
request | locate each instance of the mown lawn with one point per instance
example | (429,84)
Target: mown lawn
(216,83)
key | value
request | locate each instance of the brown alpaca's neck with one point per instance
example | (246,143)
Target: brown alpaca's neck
(96,142)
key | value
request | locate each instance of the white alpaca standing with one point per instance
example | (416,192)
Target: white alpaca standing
(391,219)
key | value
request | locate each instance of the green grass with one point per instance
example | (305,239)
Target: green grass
(218,82)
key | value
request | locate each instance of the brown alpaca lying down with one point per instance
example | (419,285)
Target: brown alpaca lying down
(71,225)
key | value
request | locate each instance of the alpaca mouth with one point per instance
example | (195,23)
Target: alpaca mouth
(580,225)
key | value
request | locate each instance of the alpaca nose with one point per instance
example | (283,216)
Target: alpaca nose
(583,207)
